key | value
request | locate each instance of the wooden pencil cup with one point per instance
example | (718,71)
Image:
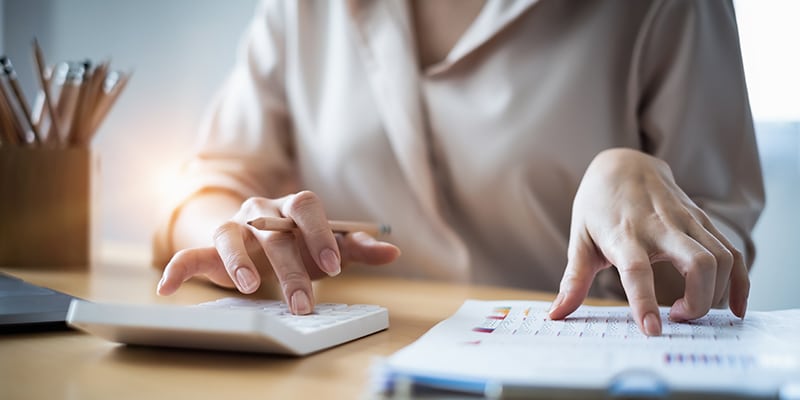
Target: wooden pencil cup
(45,207)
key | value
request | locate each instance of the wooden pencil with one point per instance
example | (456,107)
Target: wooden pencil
(41,69)
(9,125)
(11,77)
(111,90)
(94,89)
(67,100)
(287,224)
(74,135)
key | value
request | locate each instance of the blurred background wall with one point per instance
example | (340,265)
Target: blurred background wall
(769,31)
(180,50)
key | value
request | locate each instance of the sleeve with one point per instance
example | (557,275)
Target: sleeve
(244,145)
(694,113)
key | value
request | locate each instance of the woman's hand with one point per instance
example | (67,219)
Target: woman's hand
(294,258)
(629,213)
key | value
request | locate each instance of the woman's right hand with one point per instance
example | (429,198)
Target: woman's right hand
(312,251)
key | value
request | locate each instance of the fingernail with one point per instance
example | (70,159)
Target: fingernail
(557,302)
(652,325)
(246,280)
(158,287)
(300,303)
(744,307)
(330,262)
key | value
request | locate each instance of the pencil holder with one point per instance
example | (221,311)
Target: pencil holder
(46,207)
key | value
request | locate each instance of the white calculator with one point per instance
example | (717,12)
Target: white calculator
(233,324)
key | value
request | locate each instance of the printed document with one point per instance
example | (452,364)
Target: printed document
(513,345)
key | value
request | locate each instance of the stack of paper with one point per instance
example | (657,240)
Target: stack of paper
(511,348)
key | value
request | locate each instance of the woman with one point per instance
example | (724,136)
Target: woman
(526,143)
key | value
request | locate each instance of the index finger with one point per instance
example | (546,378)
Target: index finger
(233,252)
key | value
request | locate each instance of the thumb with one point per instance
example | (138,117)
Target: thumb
(582,266)
(362,248)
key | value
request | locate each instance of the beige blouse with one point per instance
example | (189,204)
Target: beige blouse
(475,160)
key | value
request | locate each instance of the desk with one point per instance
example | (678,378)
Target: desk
(73,365)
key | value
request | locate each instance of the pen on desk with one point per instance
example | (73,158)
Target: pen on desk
(22,103)
(287,224)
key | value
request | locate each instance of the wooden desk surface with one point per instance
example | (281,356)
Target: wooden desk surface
(73,365)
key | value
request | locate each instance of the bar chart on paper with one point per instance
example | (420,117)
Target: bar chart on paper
(600,349)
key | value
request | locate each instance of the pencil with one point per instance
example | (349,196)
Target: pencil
(74,134)
(112,88)
(10,126)
(287,224)
(67,100)
(11,75)
(41,66)
(94,87)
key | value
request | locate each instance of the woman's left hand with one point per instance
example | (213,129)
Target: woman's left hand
(629,213)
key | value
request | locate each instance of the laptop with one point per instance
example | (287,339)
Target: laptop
(25,307)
